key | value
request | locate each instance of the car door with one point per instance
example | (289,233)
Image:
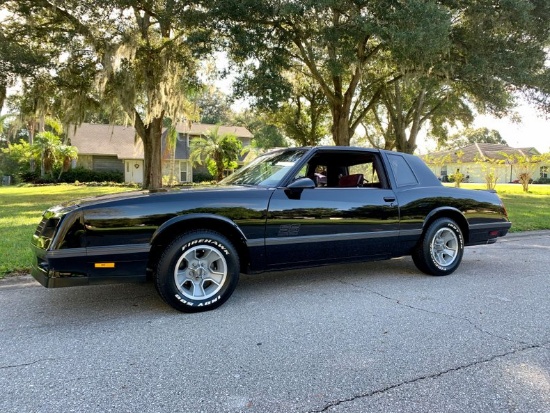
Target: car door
(327,224)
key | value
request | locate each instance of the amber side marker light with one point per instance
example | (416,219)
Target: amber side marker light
(104,265)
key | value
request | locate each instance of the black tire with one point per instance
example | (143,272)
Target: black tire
(198,271)
(440,249)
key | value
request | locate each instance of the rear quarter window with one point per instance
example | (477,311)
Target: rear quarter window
(402,171)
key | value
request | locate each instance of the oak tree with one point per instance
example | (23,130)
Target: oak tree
(140,54)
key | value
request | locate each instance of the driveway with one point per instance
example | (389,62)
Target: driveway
(376,337)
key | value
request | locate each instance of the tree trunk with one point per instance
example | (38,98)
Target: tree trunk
(401,141)
(410,144)
(151,135)
(404,143)
(31,129)
(3,94)
(219,166)
(340,126)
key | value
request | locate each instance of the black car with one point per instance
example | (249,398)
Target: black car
(296,207)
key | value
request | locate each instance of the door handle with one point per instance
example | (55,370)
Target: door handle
(389,198)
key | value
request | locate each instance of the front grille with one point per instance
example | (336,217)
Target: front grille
(40,227)
(46,228)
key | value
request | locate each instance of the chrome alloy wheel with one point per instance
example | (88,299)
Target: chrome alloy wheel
(200,272)
(444,247)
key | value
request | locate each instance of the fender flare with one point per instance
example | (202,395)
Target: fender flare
(464,224)
(193,217)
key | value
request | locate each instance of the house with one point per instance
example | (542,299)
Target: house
(109,148)
(473,161)
(177,162)
(118,148)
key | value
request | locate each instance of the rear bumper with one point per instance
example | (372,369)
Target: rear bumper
(487,233)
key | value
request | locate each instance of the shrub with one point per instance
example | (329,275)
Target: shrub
(457,178)
(202,177)
(29,177)
(542,181)
(78,174)
(86,175)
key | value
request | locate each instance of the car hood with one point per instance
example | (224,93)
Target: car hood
(161,194)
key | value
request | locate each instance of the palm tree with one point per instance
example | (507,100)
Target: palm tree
(222,149)
(170,151)
(46,144)
(66,153)
(3,119)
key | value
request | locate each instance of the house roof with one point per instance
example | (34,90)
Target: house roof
(198,129)
(477,151)
(112,140)
(121,141)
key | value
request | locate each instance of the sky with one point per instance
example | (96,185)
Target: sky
(532,131)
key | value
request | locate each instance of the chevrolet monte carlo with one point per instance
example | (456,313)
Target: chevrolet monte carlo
(291,208)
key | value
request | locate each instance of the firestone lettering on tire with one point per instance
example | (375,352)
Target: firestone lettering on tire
(209,302)
(221,247)
(439,266)
(184,301)
(458,233)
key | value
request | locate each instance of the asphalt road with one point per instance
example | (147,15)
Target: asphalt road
(376,337)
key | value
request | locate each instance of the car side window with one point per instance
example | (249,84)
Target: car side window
(345,170)
(302,173)
(317,173)
(370,175)
(403,173)
(320,175)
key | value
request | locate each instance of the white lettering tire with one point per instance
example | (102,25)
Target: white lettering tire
(198,271)
(440,250)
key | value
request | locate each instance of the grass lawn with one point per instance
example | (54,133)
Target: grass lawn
(527,211)
(21,209)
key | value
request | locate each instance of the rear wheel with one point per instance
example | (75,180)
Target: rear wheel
(198,271)
(440,250)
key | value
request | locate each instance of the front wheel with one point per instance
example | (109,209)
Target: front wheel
(198,271)
(440,250)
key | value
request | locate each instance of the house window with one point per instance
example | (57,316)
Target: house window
(184,176)
(444,177)
(544,171)
(184,137)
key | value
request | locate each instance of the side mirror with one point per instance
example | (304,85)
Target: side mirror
(302,183)
(294,190)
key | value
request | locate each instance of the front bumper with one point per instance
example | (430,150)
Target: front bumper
(51,279)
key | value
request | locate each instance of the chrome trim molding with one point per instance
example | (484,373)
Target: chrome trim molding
(118,249)
(409,232)
(256,242)
(491,225)
(94,251)
(330,237)
(66,253)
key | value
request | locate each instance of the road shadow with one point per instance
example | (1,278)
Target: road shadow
(126,299)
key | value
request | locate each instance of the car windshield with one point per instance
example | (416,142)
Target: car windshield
(266,170)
